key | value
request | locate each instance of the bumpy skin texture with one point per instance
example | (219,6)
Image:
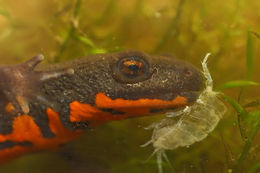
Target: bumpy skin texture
(48,106)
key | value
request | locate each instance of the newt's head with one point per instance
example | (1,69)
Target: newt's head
(126,84)
(137,75)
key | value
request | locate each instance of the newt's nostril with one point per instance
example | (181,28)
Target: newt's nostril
(188,73)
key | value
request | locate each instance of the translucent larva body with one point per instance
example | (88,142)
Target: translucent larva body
(190,125)
(195,123)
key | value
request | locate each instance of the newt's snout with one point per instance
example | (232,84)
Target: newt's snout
(187,80)
(176,78)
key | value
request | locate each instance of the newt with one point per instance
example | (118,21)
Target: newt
(45,106)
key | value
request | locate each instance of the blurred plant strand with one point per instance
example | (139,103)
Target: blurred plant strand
(76,33)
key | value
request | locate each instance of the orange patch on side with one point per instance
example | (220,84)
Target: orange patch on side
(104,101)
(85,112)
(9,108)
(25,129)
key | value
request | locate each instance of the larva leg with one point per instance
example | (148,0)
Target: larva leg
(159,161)
(161,155)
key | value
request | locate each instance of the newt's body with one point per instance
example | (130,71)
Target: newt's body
(48,106)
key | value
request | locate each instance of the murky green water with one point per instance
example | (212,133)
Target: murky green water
(63,30)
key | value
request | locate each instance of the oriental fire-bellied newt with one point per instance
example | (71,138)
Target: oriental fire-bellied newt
(42,107)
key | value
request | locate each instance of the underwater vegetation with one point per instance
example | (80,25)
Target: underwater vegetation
(62,30)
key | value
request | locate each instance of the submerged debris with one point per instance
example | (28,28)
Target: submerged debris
(189,125)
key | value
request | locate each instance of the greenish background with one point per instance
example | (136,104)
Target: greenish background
(67,29)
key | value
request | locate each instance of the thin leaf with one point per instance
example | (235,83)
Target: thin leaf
(239,109)
(77,8)
(254,125)
(249,55)
(236,84)
(254,103)
(97,51)
(86,41)
(89,43)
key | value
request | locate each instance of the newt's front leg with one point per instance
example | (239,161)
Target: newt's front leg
(51,105)
(20,84)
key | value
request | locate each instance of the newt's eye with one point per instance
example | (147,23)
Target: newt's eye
(131,70)
(132,67)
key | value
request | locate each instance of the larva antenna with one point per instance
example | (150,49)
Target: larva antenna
(209,81)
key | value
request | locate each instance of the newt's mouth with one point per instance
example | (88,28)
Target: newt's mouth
(108,109)
(191,96)
(179,100)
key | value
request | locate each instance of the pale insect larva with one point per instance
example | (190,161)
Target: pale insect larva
(191,124)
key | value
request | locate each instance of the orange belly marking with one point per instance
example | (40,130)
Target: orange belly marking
(85,112)
(25,129)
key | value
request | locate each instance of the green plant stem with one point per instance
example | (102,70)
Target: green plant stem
(171,28)
(241,114)
(247,146)
(64,44)
(245,151)
(70,32)
(239,109)
(236,84)
(77,9)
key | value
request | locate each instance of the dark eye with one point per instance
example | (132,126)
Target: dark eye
(131,69)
